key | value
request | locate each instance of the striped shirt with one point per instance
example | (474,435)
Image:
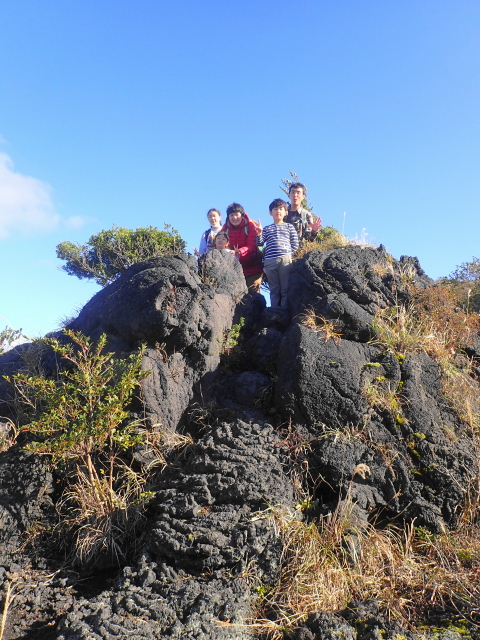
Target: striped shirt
(281,239)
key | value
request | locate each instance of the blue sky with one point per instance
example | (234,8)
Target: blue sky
(142,113)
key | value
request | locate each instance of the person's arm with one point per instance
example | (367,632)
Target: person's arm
(259,231)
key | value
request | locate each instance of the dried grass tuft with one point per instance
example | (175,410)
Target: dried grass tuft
(328,563)
(329,329)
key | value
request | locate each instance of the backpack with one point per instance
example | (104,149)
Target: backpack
(210,240)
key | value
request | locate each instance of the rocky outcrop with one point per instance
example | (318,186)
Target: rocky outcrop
(26,490)
(421,460)
(350,285)
(206,527)
(181,313)
(205,510)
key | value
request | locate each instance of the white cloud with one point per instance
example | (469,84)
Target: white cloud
(75,222)
(25,202)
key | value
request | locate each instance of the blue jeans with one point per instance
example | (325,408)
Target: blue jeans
(277,271)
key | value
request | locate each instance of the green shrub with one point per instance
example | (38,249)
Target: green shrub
(82,424)
(108,253)
(465,285)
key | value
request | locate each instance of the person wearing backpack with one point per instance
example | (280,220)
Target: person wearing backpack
(242,236)
(207,241)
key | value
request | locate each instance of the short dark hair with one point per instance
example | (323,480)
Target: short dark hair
(278,202)
(298,185)
(222,234)
(210,211)
(234,207)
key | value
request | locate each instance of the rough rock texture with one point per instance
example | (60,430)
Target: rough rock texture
(208,521)
(25,498)
(421,462)
(350,285)
(205,509)
(143,608)
(208,528)
(182,315)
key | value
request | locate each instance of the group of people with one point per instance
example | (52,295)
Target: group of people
(263,251)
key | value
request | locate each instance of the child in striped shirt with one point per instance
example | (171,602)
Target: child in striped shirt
(281,242)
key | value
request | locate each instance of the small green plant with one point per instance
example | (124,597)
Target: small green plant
(383,397)
(232,337)
(83,425)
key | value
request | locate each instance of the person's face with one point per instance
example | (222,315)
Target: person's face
(278,214)
(221,242)
(296,197)
(235,218)
(214,218)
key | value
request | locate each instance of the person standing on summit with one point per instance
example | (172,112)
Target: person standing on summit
(281,243)
(300,217)
(242,236)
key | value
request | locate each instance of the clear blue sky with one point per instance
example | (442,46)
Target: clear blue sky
(140,113)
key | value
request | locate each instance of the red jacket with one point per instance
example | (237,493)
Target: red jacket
(245,237)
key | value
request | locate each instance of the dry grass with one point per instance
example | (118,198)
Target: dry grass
(381,269)
(383,396)
(8,434)
(8,599)
(329,563)
(327,328)
(107,518)
(161,444)
(433,324)
(399,329)
(328,238)
(438,304)
(104,520)
(362,240)
(407,274)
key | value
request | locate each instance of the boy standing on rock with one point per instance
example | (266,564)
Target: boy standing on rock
(281,242)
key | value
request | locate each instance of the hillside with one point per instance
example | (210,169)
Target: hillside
(310,474)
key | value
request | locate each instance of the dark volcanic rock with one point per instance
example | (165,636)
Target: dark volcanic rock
(212,610)
(420,465)
(262,350)
(208,522)
(205,509)
(25,498)
(343,285)
(319,381)
(164,299)
(183,320)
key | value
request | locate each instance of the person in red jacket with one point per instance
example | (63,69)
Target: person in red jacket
(242,235)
